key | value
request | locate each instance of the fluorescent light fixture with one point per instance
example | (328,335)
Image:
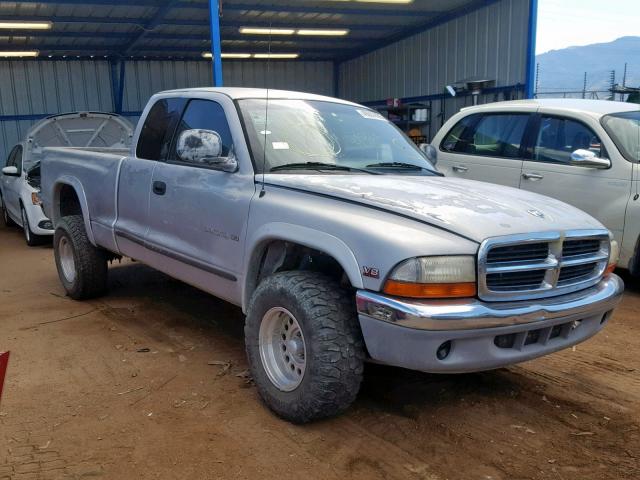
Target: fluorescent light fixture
(236,55)
(16,25)
(227,55)
(276,56)
(323,32)
(27,53)
(384,1)
(267,31)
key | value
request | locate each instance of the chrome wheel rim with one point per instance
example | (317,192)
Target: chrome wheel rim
(282,349)
(67,262)
(25,226)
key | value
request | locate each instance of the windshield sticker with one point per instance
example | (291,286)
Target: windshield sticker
(280,145)
(370,114)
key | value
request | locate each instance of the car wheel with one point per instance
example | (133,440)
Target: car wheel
(304,346)
(82,267)
(31,238)
(5,214)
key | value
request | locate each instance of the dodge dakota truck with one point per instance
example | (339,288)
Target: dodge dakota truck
(337,238)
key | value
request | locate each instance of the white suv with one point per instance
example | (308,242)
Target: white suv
(583,152)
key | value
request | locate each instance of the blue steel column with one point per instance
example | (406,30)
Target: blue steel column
(531,49)
(216,50)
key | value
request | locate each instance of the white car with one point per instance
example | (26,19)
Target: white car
(583,152)
(20,181)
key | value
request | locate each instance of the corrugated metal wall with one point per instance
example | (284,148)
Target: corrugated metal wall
(32,88)
(490,42)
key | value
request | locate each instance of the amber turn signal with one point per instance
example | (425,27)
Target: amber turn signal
(430,290)
(610,268)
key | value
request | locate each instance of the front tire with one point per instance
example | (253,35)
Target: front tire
(304,346)
(31,238)
(82,267)
(5,214)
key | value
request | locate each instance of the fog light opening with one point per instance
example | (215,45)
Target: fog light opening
(444,350)
(505,341)
(606,317)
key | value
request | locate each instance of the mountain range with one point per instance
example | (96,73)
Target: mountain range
(564,69)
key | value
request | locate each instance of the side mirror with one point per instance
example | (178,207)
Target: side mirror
(430,152)
(588,159)
(11,171)
(204,147)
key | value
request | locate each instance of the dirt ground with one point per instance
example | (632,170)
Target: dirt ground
(150,382)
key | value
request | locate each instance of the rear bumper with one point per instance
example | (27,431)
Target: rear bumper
(482,335)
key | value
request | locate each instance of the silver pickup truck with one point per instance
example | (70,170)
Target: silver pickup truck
(337,237)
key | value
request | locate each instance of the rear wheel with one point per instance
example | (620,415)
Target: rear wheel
(82,267)
(31,238)
(5,214)
(304,345)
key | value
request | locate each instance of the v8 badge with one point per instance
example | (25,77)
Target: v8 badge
(371,272)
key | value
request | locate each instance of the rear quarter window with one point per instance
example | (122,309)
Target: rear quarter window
(158,129)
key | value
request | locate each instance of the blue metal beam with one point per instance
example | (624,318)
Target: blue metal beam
(216,44)
(115,3)
(117,84)
(151,24)
(531,49)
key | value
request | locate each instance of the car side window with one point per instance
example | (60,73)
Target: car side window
(17,159)
(488,135)
(11,157)
(205,115)
(559,137)
(159,126)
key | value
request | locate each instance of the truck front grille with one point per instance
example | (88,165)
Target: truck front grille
(540,265)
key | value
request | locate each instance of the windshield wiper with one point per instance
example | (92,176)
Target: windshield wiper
(403,165)
(320,166)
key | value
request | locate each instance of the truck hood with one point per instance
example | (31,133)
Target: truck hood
(475,210)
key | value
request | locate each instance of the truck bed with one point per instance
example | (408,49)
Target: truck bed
(94,173)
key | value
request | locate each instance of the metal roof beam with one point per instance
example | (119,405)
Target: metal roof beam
(331,10)
(225,23)
(260,7)
(151,24)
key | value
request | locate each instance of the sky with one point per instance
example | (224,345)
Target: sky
(568,23)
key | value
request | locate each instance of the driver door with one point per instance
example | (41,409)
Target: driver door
(197,213)
(11,184)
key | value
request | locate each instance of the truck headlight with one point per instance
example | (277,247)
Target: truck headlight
(614,257)
(433,277)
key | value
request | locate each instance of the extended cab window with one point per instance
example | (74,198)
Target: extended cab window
(488,135)
(559,137)
(158,128)
(205,115)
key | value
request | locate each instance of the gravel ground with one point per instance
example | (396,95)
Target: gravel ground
(151,382)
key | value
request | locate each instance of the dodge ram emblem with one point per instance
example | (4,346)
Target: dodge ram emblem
(535,213)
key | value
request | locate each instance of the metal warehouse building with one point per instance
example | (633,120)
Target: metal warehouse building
(109,55)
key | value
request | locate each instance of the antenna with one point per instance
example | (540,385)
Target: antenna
(266,115)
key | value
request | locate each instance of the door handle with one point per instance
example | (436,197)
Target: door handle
(532,176)
(159,188)
(459,168)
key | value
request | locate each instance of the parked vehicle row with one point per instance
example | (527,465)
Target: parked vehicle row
(583,152)
(20,180)
(337,237)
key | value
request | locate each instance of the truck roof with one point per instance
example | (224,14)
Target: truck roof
(592,107)
(238,93)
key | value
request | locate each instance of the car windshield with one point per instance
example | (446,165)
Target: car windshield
(329,137)
(624,130)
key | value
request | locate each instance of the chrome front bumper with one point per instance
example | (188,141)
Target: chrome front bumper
(408,333)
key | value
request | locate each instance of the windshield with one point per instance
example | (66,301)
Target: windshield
(624,130)
(326,136)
